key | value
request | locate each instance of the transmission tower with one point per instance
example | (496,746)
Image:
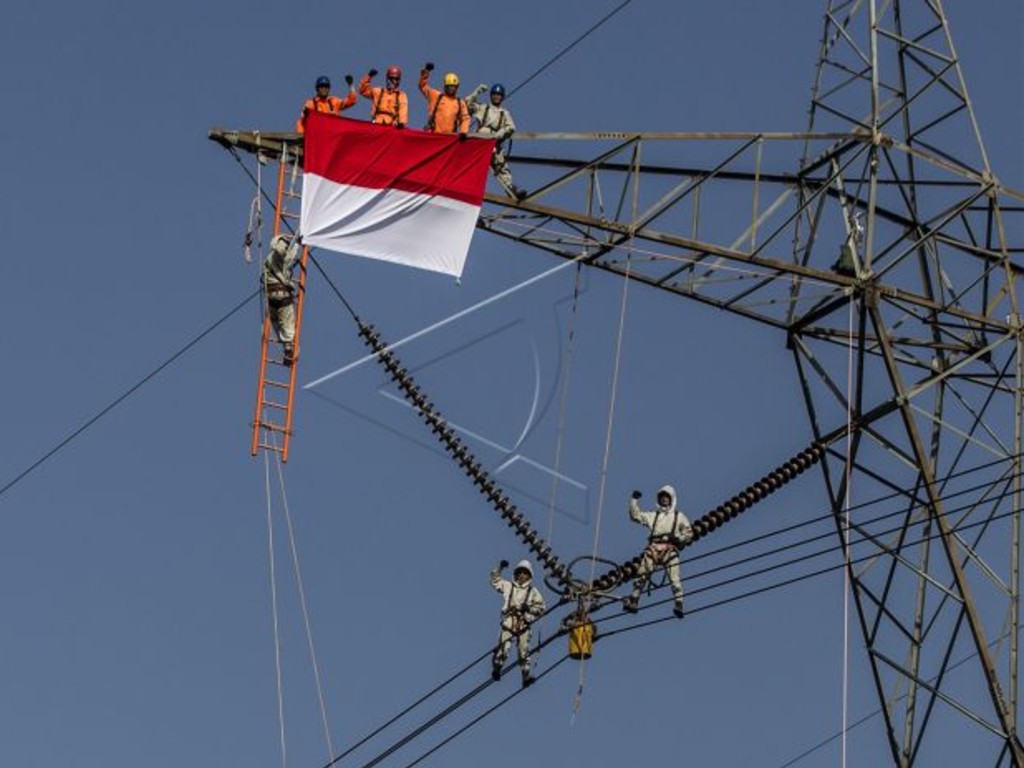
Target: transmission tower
(883,247)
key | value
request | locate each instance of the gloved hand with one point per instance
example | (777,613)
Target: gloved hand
(372,73)
(637,494)
(399,125)
(429,66)
(481,88)
(349,79)
(463,137)
(503,565)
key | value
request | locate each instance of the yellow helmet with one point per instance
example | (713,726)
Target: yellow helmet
(450,78)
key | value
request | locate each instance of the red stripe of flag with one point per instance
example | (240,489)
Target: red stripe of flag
(374,156)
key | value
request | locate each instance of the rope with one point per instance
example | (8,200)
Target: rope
(611,420)
(577,703)
(273,610)
(256,213)
(305,609)
(848,472)
(563,397)
(254,228)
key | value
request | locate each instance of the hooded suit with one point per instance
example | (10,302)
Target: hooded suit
(668,530)
(521,605)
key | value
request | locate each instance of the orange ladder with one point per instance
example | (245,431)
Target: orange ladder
(275,395)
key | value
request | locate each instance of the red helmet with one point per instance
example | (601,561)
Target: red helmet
(394,73)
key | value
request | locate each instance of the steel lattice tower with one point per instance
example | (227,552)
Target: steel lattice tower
(883,246)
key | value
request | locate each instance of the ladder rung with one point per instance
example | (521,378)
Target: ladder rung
(279,384)
(268,447)
(292,194)
(272,427)
(268,404)
(286,215)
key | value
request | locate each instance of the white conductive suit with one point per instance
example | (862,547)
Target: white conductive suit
(669,529)
(522,603)
(277,281)
(494,122)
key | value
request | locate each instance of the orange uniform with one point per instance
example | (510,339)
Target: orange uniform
(388,106)
(332,105)
(445,114)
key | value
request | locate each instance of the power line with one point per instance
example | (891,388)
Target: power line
(465,698)
(641,625)
(409,708)
(795,579)
(864,505)
(126,394)
(481,716)
(571,45)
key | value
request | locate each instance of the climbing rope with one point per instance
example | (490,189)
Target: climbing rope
(848,472)
(255,227)
(602,483)
(274,616)
(566,370)
(611,420)
(305,610)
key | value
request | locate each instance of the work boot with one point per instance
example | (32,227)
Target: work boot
(519,193)
(677,609)
(495,671)
(631,604)
(289,353)
(527,679)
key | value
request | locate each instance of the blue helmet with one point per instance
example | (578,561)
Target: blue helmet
(498,89)
(323,80)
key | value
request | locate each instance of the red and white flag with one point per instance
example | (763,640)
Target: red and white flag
(405,196)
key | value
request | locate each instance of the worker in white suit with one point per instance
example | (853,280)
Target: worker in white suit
(669,529)
(280,291)
(522,604)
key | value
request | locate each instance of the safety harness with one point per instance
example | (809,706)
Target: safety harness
(517,615)
(280,289)
(332,104)
(378,111)
(661,545)
(502,114)
(437,103)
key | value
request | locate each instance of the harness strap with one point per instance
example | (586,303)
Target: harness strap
(433,112)
(377,108)
(670,537)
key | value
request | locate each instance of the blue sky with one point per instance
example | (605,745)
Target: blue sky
(134,582)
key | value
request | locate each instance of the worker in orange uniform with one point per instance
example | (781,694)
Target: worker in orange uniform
(446,112)
(324,102)
(389,105)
